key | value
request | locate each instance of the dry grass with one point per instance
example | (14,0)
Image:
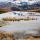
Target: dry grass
(5,9)
(33,39)
(11,37)
(6,36)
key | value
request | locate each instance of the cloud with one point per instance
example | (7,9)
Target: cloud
(12,0)
(5,0)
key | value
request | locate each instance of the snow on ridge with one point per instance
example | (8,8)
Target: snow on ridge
(17,14)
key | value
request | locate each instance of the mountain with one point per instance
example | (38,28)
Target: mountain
(36,4)
(22,6)
(26,5)
(17,5)
(5,7)
(3,4)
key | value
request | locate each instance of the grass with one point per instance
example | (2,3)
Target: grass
(15,19)
(2,25)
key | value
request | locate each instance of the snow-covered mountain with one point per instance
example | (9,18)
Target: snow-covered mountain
(3,4)
(37,4)
(19,5)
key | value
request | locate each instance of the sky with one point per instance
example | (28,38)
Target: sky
(5,0)
(12,0)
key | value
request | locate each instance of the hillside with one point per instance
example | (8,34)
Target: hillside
(22,6)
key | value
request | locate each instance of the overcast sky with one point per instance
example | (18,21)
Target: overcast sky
(12,0)
(4,0)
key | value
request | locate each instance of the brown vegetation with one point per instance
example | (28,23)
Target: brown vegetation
(6,36)
(32,10)
(8,9)
(5,9)
(9,36)
(15,19)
